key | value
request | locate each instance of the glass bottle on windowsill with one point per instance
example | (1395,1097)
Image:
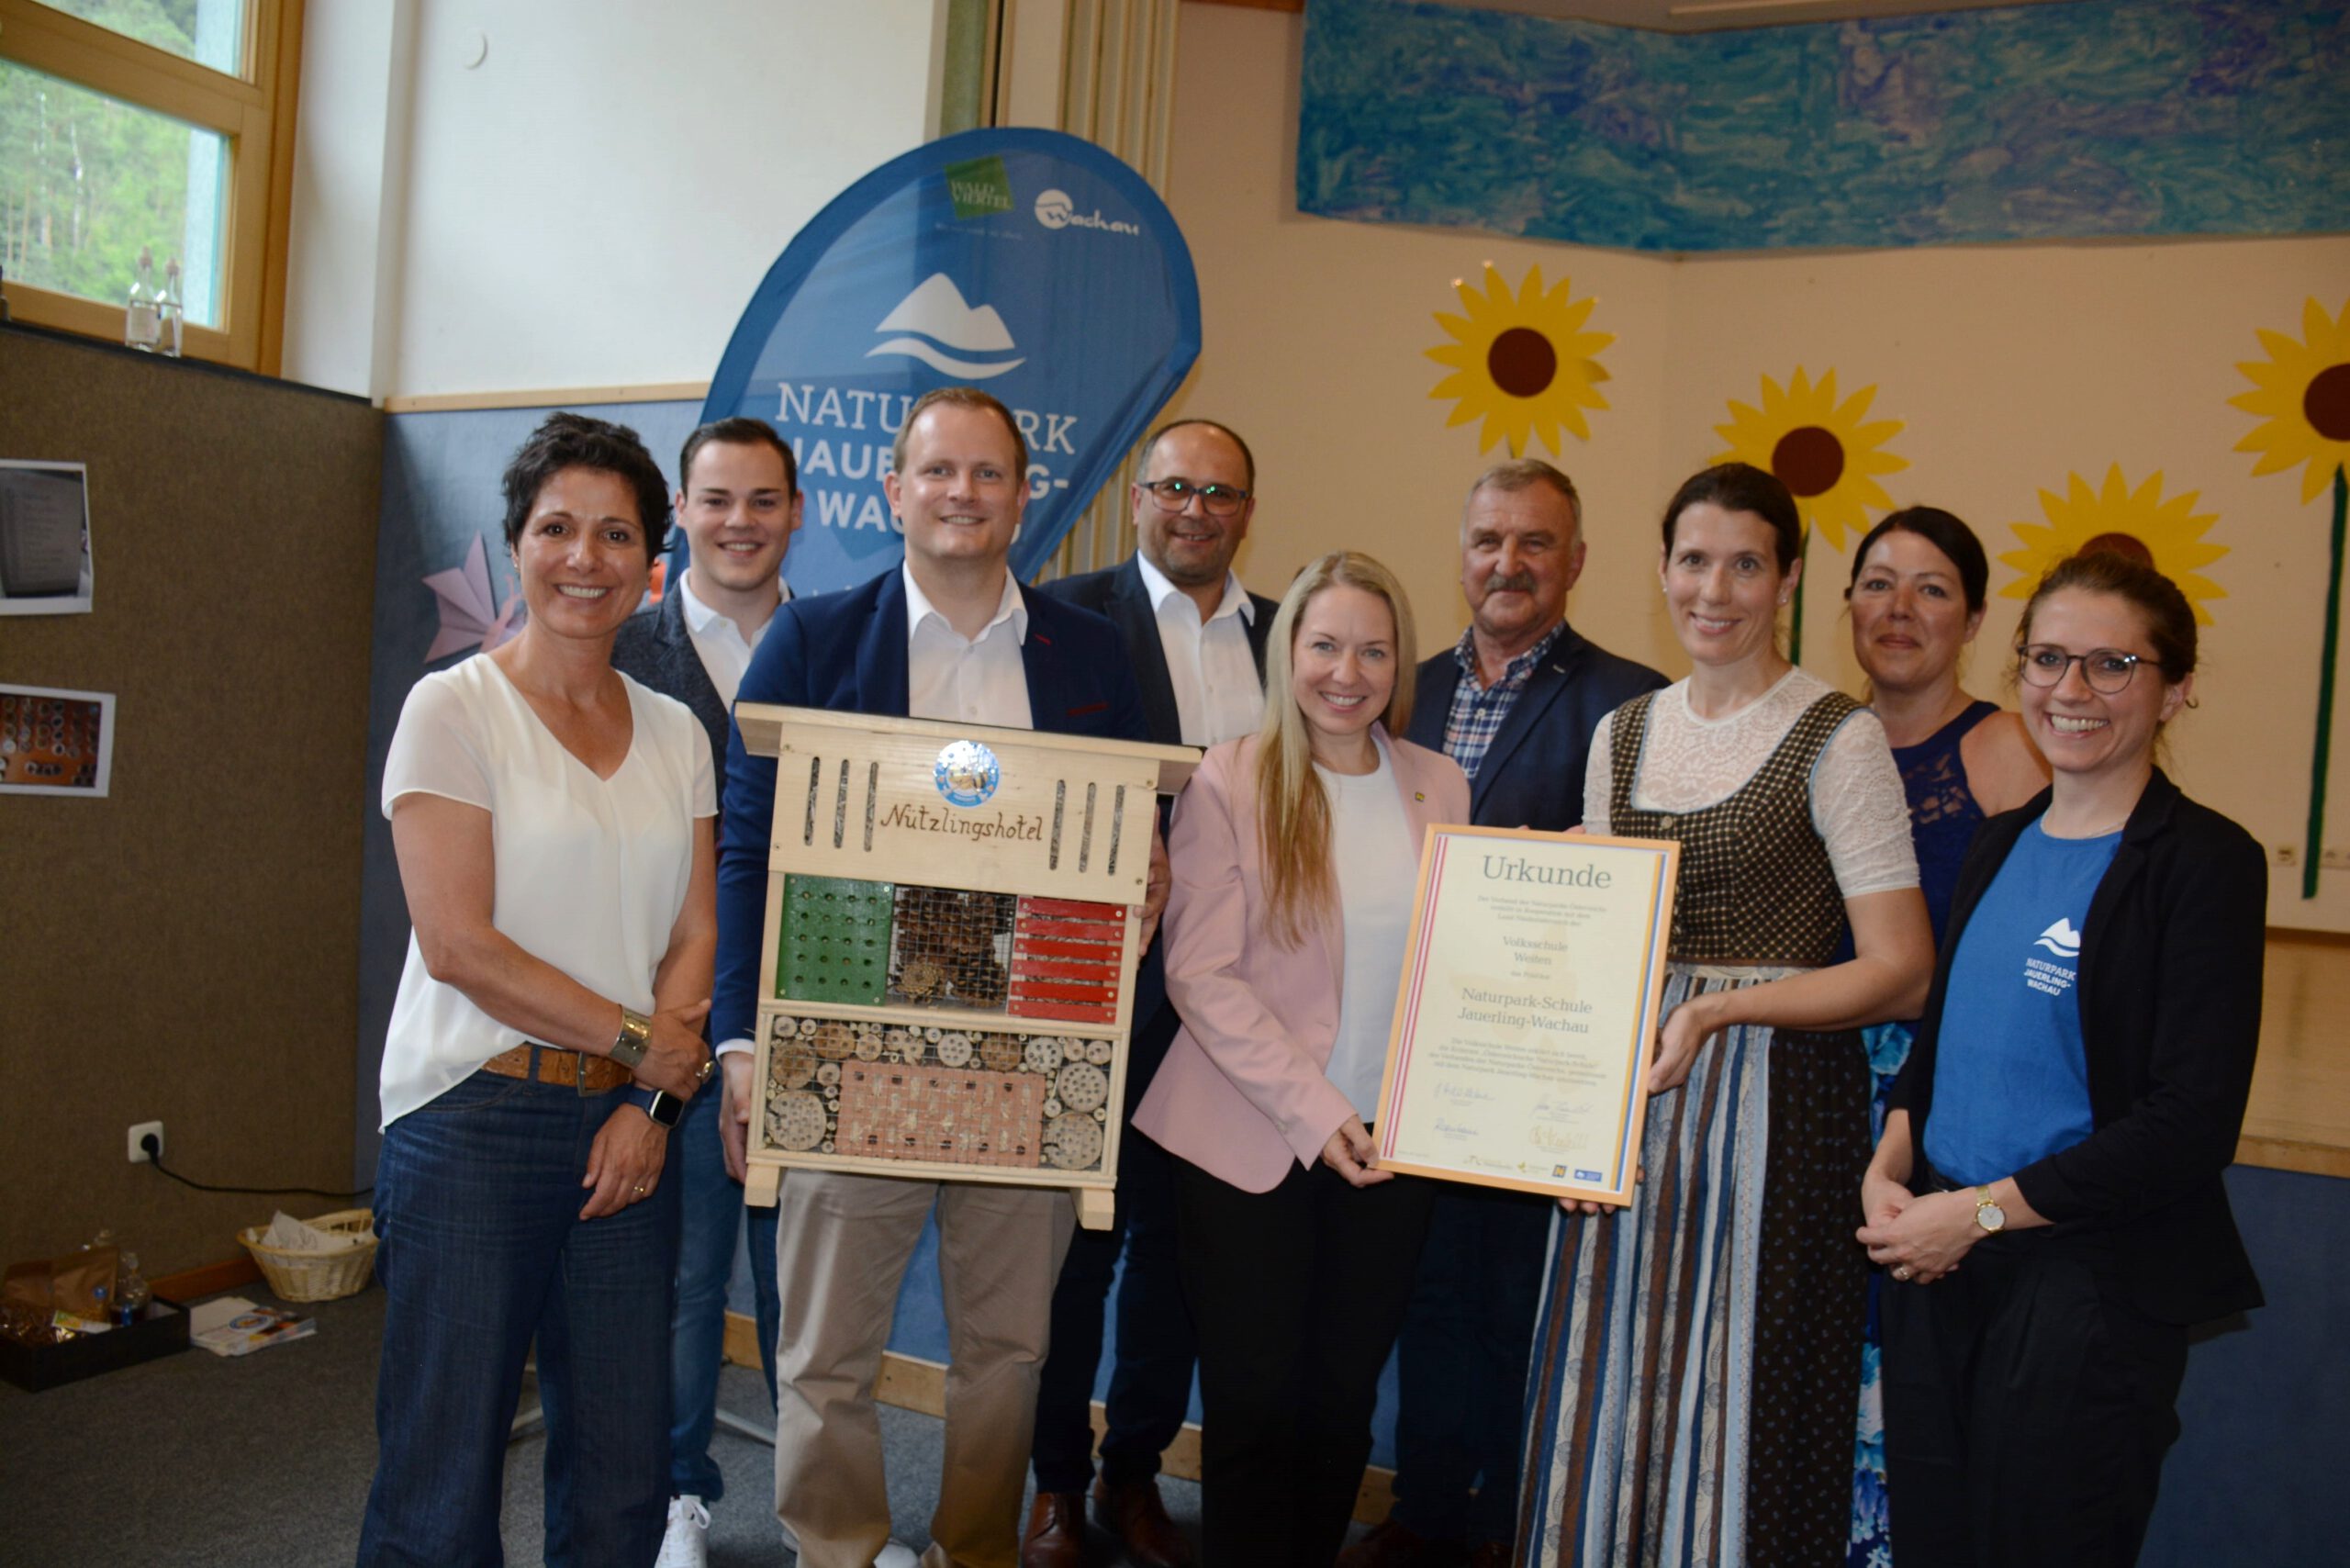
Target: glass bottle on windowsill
(142,322)
(168,311)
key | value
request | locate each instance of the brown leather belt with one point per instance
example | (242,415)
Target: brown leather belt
(573,1070)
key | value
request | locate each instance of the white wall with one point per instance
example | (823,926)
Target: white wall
(592,204)
(2011,366)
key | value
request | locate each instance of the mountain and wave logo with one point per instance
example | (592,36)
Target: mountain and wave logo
(935,318)
(2061,939)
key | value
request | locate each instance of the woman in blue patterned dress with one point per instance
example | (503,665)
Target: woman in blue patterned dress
(1917,598)
(1692,1401)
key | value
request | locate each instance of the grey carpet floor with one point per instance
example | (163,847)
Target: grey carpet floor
(195,1462)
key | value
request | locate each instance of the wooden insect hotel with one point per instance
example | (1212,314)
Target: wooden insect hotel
(947,979)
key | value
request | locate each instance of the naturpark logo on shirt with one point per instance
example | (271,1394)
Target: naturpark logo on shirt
(2054,979)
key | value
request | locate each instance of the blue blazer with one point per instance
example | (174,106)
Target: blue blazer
(846,653)
(1120,593)
(1532,775)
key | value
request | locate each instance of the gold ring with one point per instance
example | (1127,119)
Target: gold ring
(1900,1273)
(640,1192)
(708,1065)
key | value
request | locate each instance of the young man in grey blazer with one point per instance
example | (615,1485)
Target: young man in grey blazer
(738,505)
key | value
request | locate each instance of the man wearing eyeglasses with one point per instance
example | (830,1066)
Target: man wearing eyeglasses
(1196,639)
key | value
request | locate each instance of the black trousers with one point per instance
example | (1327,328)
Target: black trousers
(1459,1421)
(1297,1294)
(1150,1382)
(2027,1409)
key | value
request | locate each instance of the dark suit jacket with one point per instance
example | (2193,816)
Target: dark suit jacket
(1119,593)
(1532,775)
(2169,993)
(846,653)
(656,650)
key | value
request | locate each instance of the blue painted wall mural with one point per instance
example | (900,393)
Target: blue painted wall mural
(2039,122)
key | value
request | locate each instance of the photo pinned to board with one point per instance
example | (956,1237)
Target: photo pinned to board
(44,539)
(55,742)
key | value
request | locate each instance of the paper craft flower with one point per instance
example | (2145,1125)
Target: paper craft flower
(1523,364)
(1822,452)
(2164,534)
(470,616)
(2301,392)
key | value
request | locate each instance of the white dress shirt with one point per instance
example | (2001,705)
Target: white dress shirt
(725,650)
(979,681)
(1217,694)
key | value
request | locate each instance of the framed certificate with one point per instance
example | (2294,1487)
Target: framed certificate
(1527,1012)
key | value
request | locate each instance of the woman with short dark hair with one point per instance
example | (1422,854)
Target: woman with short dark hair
(552,823)
(2046,1198)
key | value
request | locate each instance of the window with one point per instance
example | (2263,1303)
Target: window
(162,125)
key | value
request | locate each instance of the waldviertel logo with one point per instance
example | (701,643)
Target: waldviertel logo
(935,318)
(979,187)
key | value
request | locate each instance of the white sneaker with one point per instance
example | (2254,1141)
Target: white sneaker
(686,1542)
(897,1554)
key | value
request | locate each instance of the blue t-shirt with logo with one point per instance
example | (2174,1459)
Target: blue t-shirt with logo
(2011,1080)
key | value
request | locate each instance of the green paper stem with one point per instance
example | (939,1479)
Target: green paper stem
(1794,625)
(2315,854)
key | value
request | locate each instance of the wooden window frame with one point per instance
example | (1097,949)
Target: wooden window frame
(255,112)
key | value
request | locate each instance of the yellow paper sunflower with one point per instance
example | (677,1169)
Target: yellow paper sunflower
(2301,391)
(1826,454)
(1522,364)
(2164,534)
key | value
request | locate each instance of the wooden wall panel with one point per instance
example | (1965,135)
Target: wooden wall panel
(186,950)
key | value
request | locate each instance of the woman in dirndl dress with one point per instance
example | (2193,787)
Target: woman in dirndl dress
(1699,1351)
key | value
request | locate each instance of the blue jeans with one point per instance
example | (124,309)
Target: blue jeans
(713,1217)
(478,1197)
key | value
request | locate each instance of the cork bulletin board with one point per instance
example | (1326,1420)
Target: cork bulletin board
(186,949)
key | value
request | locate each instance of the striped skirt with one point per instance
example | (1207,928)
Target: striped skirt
(1698,1355)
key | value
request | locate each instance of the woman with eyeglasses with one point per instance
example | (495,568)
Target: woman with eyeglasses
(1916,600)
(2046,1196)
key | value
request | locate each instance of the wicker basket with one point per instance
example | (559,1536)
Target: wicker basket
(311,1276)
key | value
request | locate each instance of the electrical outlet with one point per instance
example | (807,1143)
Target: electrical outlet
(141,1130)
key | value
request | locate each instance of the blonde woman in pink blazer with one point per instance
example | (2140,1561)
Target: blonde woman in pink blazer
(1294,853)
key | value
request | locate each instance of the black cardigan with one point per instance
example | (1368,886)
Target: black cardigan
(2169,992)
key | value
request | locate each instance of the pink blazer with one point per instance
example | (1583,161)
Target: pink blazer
(1242,1091)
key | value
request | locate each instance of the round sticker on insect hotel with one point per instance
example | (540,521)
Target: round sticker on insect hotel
(966,773)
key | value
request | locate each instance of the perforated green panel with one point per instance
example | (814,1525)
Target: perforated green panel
(835,941)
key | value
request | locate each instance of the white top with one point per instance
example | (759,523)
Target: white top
(980,680)
(1687,763)
(1378,872)
(1217,694)
(590,873)
(725,652)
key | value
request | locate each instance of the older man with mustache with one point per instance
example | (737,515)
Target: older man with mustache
(1515,703)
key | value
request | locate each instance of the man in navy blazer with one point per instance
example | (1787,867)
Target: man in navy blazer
(949,634)
(1196,641)
(738,504)
(1515,703)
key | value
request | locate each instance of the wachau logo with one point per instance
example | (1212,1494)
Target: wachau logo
(937,310)
(979,187)
(1055,210)
(2061,939)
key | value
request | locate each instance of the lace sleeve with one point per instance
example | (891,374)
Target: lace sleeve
(1859,807)
(1598,772)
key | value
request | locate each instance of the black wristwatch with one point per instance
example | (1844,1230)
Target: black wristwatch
(658,1103)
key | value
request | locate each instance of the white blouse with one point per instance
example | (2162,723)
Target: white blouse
(590,873)
(1379,869)
(1687,763)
